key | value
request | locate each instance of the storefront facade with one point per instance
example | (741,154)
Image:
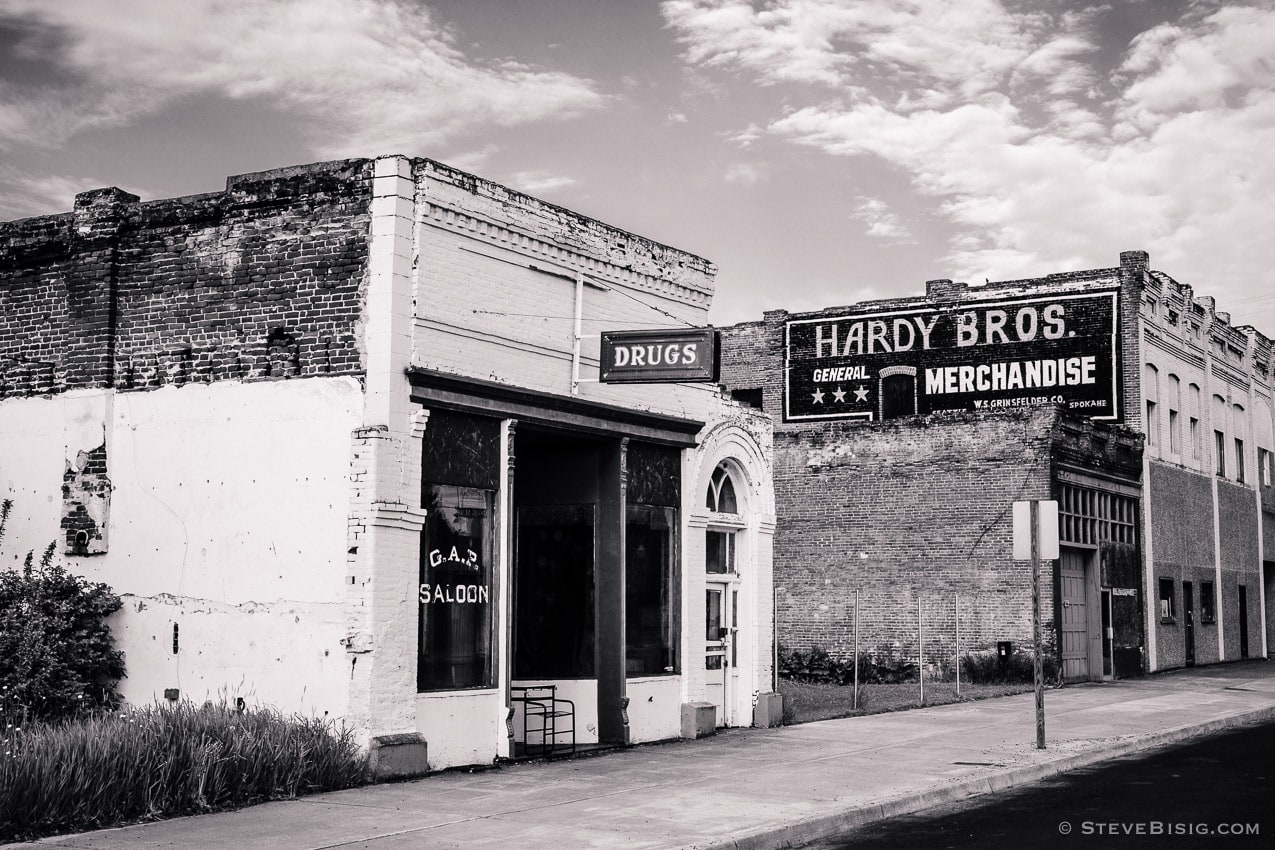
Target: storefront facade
(392,366)
(924,405)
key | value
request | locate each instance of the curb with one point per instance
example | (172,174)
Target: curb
(828,826)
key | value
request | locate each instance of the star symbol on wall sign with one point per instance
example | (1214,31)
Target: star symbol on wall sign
(839,395)
(861,393)
(818,396)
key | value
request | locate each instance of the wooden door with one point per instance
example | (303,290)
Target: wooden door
(1075,616)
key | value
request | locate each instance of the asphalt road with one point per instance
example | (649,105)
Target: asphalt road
(1216,792)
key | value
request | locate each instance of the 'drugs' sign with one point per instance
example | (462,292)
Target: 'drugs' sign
(659,356)
(1023,351)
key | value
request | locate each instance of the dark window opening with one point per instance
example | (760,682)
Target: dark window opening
(719,552)
(455,593)
(1219,451)
(554,606)
(1208,607)
(650,591)
(751,397)
(1167,608)
(1239,460)
(898,396)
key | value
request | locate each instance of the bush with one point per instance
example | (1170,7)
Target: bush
(108,769)
(816,665)
(986,668)
(56,653)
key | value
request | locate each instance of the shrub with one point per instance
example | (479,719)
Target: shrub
(107,769)
(816,665)
(987,668)
(56,653)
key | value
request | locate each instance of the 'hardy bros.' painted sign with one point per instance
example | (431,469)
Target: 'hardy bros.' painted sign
(659,356)
(1023,351)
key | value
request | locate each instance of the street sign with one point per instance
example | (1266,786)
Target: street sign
(1048,529)
(1036,538)
(674,355)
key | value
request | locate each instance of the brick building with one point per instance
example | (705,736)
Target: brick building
(905,429)
(335,434)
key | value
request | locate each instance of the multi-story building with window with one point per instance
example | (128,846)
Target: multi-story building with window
(905,429)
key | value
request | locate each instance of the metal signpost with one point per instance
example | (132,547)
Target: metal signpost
(1036,537)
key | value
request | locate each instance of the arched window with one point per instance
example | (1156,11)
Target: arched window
(1151,395)
(1175,417)
(720,540)
(898,391)
(721,492)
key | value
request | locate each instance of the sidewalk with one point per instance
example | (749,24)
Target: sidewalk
(748,788)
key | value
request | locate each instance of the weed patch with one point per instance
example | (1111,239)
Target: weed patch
(163,761)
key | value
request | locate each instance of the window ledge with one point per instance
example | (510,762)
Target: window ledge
(1168,621)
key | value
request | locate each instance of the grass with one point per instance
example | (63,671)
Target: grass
(806,702)
(163,761)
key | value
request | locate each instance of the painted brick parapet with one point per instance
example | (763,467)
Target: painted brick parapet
(262,280)
(530,225)
(753,352)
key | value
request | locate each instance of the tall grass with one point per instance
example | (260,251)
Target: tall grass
(162,761)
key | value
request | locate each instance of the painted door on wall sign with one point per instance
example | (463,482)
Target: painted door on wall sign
(721,653)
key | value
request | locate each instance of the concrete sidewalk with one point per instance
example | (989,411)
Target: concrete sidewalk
(751,788)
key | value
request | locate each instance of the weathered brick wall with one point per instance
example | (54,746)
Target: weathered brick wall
(1183,549)
(1237,515)
(262,280)
(905,509)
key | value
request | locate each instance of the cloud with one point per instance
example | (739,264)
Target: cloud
(362,76)
(1174,69)
(744,174)
(882,222)
(24,195)
(967,47)
(532,182)
(1006,124)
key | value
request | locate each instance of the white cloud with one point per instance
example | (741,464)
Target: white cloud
(532,182)
(22,195)
(882,222)
(744,174)
(1005,123)
(1175,69)
(966,47)
(365,76)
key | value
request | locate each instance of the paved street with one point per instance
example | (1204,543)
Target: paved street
(1213,792)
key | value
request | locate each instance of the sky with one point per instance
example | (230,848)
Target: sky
(819,152)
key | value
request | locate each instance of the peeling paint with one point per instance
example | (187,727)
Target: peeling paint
(86,503)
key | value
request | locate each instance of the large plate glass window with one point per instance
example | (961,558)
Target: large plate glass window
(652,582)
(456,595)
(455,589)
